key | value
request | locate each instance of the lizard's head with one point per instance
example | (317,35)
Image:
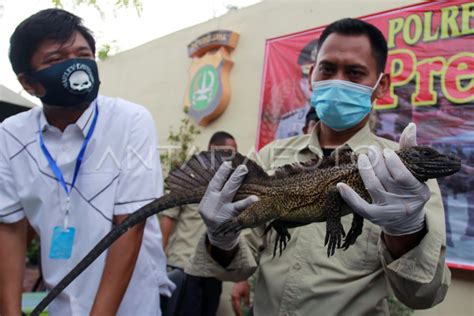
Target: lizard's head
(426,163)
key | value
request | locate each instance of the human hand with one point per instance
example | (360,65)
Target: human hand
(216,206)
(398,198)
(240,291)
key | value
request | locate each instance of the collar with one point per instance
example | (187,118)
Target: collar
(356,143)
(83,122)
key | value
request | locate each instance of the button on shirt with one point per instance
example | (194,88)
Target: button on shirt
(120,173)
(304,281)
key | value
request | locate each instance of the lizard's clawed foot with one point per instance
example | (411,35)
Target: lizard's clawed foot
(282,239)
(354,232)
(334,235)
(351,237)
(282,236)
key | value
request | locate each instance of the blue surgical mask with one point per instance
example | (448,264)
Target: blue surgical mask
(69,83)
(341,104)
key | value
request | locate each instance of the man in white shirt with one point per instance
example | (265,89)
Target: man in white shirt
(74,169)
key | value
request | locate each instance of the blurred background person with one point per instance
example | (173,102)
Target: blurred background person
(182,227)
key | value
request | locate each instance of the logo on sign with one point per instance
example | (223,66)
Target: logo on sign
(204,86)
(208,91)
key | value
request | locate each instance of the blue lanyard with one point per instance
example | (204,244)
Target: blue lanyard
(54,166)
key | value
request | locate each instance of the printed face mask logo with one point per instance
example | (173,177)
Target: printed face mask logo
(69,83)
(78,79)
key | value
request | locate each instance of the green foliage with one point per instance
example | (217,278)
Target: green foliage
(103,52)
(137,4)
(118,4)
(181,145)
(92,3)
(106,50)
(32,253)
(397,308)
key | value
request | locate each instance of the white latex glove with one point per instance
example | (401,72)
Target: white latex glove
(216,206)
(398,198)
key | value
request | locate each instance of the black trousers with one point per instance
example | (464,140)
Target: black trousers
(193,296)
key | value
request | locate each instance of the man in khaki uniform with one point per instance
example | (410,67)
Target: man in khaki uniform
(402,246)
(241,290)
(181,228)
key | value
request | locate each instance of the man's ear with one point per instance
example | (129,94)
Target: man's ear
(31,85)
(383,86)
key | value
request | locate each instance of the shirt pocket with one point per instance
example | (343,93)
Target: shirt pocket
(97,190)
(362,255)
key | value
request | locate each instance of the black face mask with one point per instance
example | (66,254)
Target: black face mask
(69,83)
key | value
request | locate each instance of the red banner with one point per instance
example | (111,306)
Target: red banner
(431,63)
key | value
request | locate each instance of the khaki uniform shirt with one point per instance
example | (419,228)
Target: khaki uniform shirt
(186,233)
(304,281)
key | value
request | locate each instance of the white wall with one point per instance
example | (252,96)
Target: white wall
(155,74)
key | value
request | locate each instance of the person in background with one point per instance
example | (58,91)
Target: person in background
(402,247)
(181,226)
(73,169)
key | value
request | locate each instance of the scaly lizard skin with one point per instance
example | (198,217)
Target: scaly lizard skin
(305,193)
(295,195)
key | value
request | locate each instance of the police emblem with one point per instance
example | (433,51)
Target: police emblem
(208,90)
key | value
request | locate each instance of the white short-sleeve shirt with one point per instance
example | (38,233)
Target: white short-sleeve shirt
(120,173)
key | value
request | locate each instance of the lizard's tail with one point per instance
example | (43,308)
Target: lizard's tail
(187,185)
(158,205)
(197,172)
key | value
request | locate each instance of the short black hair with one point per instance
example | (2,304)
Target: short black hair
(219,138)
(349,26)
(49,24)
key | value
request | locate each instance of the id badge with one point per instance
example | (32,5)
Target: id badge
(61,243)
